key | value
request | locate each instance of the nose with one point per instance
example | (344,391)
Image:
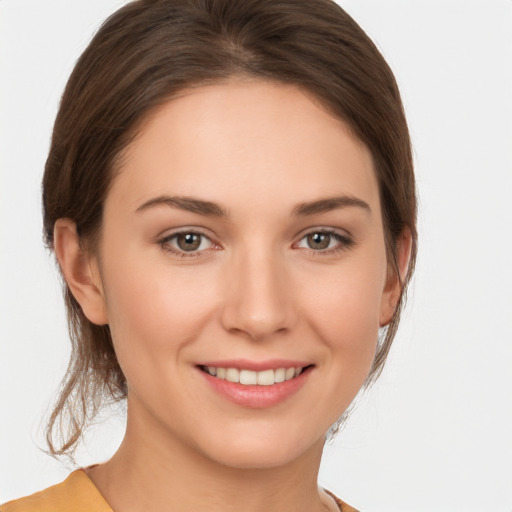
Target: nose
(259,297)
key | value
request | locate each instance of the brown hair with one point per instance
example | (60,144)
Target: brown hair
(143,55)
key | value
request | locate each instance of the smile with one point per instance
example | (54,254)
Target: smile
(251,378)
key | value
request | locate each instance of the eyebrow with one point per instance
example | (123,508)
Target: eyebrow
(210,209)
(189,204)
(329,204)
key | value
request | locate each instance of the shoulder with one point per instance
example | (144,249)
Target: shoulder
(342,505)
(76,493)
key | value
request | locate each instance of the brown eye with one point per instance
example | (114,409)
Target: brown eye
(188,241)
(318,241)
(324,241)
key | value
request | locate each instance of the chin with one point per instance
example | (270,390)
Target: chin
(261,448)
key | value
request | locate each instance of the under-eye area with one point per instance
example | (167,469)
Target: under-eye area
(252,378)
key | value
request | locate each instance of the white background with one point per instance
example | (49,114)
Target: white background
(435,433)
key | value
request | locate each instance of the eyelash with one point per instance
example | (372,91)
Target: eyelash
(165,244)
(344,243)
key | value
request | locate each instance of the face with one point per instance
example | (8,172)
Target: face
(243,272)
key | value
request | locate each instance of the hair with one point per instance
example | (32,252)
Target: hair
(141,57)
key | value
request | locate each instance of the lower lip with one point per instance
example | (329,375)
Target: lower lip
(257,397)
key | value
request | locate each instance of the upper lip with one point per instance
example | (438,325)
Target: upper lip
(256,366)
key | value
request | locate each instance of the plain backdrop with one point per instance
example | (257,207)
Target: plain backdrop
(435,433)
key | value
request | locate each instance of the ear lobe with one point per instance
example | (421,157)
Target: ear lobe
(81,274)
(393,288)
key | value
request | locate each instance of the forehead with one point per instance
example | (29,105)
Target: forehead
(244,138)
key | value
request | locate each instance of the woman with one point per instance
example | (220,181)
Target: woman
(230,197)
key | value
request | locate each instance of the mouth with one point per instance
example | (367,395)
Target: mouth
(254,384)
(247,377)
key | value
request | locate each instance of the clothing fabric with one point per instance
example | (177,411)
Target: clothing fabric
(78,494)
(342,505)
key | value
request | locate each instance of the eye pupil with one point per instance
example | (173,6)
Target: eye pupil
(319,240)
(188,241)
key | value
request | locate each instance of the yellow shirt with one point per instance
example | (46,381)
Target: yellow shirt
(78,494)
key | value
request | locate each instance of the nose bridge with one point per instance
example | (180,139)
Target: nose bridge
(258,299)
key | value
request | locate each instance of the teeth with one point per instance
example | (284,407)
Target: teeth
(280,375)
(233,375)
(251,378)
(265,378)
(247,377)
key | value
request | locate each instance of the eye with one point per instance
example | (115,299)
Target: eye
(187,242)
(324,241)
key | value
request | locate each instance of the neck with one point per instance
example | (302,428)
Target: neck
(160,473)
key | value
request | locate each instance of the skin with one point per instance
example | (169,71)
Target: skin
(255,289)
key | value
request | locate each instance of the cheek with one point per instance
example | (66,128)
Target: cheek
(153,312)
(344,310)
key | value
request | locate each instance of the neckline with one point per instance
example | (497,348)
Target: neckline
(81,475)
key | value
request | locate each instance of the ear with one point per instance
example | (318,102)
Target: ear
(393,288)
(80,271)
